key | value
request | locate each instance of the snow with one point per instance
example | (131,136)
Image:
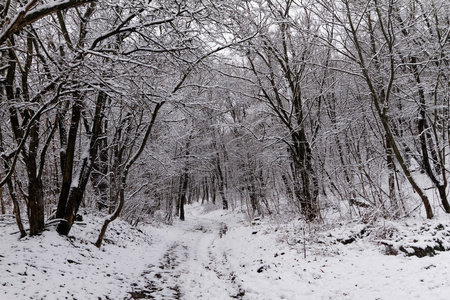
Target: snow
(193,260)
(53,267)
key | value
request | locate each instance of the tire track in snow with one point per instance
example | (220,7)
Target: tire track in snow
(192,266)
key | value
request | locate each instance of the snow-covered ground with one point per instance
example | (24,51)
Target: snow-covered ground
(219,255)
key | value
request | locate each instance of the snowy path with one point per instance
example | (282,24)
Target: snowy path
(191,261)
(193,265)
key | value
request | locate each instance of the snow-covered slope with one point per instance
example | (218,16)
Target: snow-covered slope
(52,267)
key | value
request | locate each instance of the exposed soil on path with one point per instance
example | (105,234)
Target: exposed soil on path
(193,266)
(220,255)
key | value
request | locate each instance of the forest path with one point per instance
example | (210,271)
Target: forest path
(191,260)
(194,264)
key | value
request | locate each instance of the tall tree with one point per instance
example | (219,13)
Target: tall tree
(280,60)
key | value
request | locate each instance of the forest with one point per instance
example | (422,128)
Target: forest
(133,107)
(313,110)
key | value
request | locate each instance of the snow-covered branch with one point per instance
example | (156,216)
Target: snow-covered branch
(31,13)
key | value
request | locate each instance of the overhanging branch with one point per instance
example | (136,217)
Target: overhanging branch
(32,13)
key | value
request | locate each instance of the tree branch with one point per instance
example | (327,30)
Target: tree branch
(28,15)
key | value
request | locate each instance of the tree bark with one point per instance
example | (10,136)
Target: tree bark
(77,186)
(182,195)
(2,202)
(221,183)
(67,156)
(305,186)
(100,169)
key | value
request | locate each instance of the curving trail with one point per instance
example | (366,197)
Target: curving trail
(193,265)
(196,259)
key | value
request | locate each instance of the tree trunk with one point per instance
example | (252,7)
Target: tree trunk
(16,204)
(253,198)
(287,186)
(35,206)
(35,186)
(219,175)
(221,184)
(115,214)
(75,195)
(395,207)
(2,202)
(68,154)
(100,169)
(184,182)
(305,186)
(169,206)
(78,184)
(182,195)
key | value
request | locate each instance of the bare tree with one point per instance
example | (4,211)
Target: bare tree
(280,60)
(360,47)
